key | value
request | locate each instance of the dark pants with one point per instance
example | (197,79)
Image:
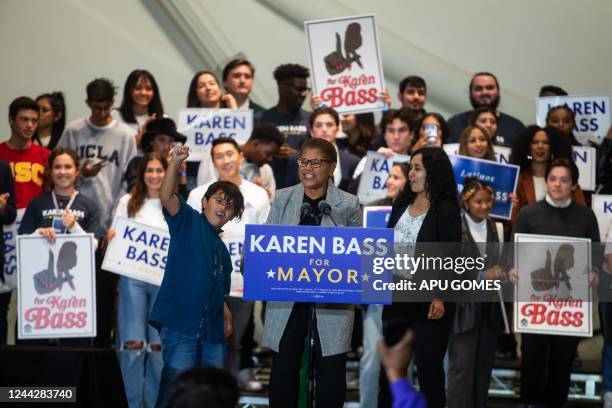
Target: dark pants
(471,359)
(242,311)
(429,343)
(546,366)
(5,299)
(106,288)
(330,371)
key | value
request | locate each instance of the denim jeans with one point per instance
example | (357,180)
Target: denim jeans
(605,313)
(182,352)
(369,365)
(141,367)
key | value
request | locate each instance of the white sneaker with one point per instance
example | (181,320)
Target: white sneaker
(607,399)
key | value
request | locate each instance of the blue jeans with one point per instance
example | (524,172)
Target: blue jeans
(182,352)
(605,314)
(369,365)
(141,365)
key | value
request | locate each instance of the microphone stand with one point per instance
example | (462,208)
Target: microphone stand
(312,326)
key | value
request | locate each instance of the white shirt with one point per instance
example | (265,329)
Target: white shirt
(552,203)
(150,213)
(477,229)
(539,186)
(256,209)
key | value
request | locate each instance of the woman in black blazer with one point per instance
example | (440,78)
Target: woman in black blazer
(426,211)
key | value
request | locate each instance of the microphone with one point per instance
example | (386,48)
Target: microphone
(305,211)
(326,209)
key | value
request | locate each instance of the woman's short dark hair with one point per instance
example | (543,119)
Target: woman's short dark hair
(328,151)
(568,164)
(440,179)
(232,195)
(521,147)
(127,104)
(473,116)
(324,110)
(192,93)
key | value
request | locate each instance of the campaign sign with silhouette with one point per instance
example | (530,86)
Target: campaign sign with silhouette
(57,286)
(345,63)
(203,126)
(316,264)
(553,295)
(137,251)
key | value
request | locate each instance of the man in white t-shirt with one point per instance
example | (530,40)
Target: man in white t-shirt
(258,151)
(227,159)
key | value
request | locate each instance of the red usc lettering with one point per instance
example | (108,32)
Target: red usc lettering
(25,172)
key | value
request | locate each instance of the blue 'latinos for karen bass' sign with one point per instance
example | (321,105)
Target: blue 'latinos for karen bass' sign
(315,264)
(501,177)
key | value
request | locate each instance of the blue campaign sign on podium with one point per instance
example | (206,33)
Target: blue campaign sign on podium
(317,264)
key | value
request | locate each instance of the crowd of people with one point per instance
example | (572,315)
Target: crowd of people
(127,160)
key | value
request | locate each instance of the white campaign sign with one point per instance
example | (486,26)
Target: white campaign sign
(57,287)
(137,251)
(345,62)
(373,182)
(202,126)
(585,159)
(10,254)
(553,294)
(602,207)
(234,246)
(592,114)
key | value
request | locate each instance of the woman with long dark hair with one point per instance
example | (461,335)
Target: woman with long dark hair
(426,211)
(206,92)
(140,355)
(141,101)
(51,119)
(533,150)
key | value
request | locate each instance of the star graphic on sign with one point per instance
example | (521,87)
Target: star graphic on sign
(270,274)
(365,277)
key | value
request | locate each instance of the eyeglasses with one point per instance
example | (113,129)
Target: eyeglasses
(315,163)
(225,203)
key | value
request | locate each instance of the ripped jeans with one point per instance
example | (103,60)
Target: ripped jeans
(140,354)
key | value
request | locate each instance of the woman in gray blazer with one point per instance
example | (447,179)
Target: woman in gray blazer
(286,323)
